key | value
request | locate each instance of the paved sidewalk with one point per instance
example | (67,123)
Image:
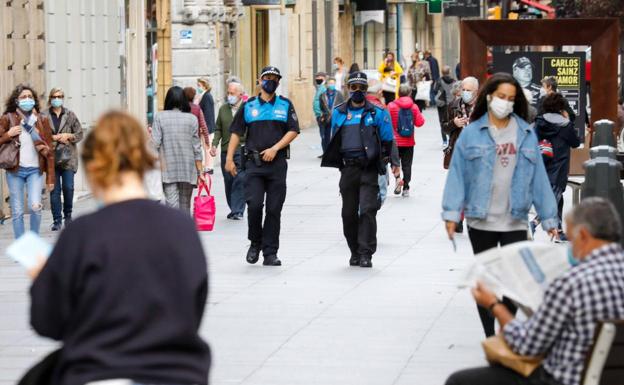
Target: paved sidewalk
(316,320)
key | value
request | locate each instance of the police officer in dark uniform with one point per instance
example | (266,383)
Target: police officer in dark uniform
(269,123)
(360,147)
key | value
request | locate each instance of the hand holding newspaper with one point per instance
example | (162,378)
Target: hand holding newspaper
(521,271)
(29,250)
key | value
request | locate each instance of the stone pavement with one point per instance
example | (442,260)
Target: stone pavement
(316,320)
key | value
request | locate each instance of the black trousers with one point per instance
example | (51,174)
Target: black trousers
(359,188)
(484,240)
(499,375)
(268,180)
(442,117)
(422,105)
(406,154)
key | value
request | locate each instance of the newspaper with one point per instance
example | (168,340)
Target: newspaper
(521,271)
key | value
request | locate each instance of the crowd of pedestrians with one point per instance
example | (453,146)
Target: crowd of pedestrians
(502,160)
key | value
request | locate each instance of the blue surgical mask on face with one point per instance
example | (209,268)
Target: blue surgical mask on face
(26,105)
(232,100)
(331,87)
(56,102)
(571,259)
(199,90)
(467,96)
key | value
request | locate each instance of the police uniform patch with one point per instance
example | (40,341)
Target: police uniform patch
(294,117)
(254,112)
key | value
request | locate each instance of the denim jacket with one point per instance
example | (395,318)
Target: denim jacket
(469,181)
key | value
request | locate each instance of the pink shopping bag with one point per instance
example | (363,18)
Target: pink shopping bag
(205,210)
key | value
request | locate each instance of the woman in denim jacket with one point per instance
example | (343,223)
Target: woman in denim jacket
(497,174)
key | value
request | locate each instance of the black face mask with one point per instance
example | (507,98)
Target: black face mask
(269,86)
(357,96)
(318,81)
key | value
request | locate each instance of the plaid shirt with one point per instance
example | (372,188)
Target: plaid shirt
(562,328)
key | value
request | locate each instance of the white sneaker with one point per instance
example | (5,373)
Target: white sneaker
(405,193)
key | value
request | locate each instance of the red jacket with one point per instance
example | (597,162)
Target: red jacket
(393,108)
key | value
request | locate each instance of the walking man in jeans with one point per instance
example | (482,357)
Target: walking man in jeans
(234,185)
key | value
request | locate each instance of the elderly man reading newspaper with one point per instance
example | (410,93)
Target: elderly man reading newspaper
(562,328)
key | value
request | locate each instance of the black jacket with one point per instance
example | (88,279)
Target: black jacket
(371,137)
(563,136)
(207,105)
(323,100)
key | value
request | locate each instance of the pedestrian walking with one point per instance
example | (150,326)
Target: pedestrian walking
(340,73)
(405,116)
(496,175)
(269,123)
(459,112)
(549,87)
(374,94)
(557,135)
(234,185)
(206,103)
(443,90)
(319,81)
(390,72)
(175,134)
(125,288)
(30,156)
(66,133)
(196,110)
(435,72)
(328,101)
(418,72)
(360,147)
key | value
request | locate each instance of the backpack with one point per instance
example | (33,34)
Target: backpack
(405,126)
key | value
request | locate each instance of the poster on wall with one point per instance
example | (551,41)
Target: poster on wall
(529,68)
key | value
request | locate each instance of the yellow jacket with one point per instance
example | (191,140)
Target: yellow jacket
(397,74)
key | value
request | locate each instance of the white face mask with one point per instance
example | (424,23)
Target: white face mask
(232,99)
(542,92)
(501,108)
(467,96)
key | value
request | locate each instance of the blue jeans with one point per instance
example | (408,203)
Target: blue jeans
(65,183)
(234,186)
(32,179)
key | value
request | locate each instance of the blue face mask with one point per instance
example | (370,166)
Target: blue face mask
(331,87)
(26,105)
(56,102)
(199,90)
(571,259)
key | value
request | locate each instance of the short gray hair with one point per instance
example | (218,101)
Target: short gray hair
(238,86)
(599,217)
(471,79)
(405,90)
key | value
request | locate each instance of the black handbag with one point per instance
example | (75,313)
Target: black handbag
(42,373)
(63,155)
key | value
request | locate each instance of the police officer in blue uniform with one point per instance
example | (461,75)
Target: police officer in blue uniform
(269,124)
(360,147)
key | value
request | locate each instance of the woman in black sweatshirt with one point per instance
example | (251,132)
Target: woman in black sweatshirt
(125,287)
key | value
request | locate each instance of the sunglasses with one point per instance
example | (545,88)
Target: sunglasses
(358,87)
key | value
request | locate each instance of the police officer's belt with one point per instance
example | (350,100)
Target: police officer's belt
(355,162)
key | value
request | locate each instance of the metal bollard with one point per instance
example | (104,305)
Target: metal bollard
(602,171)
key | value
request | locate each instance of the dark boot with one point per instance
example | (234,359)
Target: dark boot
(271,260)
(253,254)
(56,226)
(366,261)
(354,260)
